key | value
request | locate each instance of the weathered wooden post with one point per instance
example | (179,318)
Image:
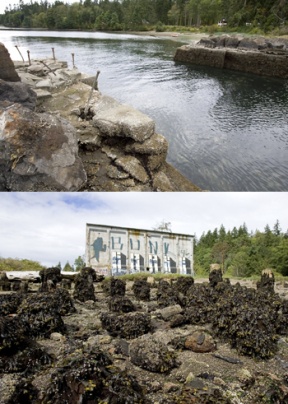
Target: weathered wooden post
(73,64)
(53,52)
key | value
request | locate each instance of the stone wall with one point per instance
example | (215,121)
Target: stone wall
(258,56)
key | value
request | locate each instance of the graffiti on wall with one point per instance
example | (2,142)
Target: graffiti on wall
(98,246)
(121,249)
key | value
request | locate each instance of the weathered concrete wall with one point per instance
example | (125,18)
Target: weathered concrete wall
(117,250)
(254,56)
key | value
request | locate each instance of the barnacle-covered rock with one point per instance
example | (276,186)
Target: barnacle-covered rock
(124,388)
(92,378)
(13,332)
(200,300)
(267,281)
(166,295)
(114,286)
(49,278)
(10,303)
(141,289)
(121,304)
(84,288)
(130,325)
(183,284)
(207,395)
(215,276)
(245,318)
(4,282)
(42,312)
(29,360)
(24,393)
(152,355)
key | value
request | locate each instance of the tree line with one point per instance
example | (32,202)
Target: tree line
(264,15)
(16,264)
(241,253)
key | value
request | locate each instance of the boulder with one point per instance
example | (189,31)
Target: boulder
(152,355)
(168,312)
(161,182)
(39,152)
(7,69)
(115,119)
(200,341)
(134,167)
(17,93)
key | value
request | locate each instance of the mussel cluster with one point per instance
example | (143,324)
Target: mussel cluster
(250,320)
(166,295)
(84,287)
(92,378)
(141,289)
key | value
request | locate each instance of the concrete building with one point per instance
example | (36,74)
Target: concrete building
(113,250)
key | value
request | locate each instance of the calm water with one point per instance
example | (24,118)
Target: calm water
(227,131)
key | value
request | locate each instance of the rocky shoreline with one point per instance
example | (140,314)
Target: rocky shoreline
(143,341)
(257,55)
(59,133)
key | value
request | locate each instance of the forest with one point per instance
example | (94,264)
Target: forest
(260,16)
(242,253)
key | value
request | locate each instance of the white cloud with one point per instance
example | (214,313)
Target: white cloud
(50,227)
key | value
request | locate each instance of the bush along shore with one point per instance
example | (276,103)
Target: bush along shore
(96,340)
(59,133)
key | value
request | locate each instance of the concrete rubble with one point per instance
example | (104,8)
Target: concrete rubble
(115,147)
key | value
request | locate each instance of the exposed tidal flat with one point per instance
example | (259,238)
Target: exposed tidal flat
(227,131)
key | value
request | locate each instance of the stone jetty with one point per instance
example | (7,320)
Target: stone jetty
(59,133)
(259,55)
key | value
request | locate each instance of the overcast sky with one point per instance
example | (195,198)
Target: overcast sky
(6,3)
(50,227)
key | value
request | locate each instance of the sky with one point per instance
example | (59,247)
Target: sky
(50,227)
(6,3)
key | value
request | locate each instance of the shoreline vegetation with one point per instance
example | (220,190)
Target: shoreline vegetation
(168,16)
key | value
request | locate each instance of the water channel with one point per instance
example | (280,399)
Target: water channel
(227,131)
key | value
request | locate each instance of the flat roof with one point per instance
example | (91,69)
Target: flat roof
(139,230)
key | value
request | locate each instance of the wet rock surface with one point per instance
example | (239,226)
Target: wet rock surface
(54,348)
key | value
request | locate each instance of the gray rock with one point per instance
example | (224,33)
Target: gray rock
(114,172)
(39,152)
(17,93)
(156,144)
(200,341)
(7,69)
(152,355)
(170,311)
(133,166)
(115,119)
(161,182)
